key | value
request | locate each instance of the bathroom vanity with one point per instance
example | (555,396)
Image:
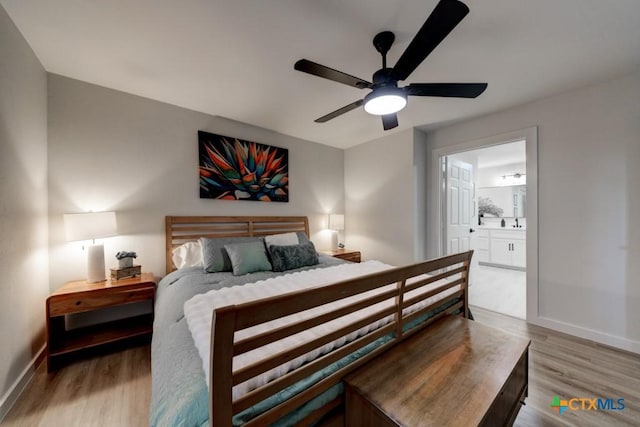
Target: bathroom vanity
(502,247)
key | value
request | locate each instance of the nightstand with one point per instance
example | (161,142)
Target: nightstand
(80,296)
(346,254)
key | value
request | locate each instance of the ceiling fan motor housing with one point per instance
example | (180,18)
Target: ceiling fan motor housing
(382,77)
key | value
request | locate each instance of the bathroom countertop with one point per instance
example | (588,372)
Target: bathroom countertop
(497,227)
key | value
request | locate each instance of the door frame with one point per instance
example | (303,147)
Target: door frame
(530,136)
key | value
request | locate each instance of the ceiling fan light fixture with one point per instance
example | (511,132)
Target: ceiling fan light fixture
(384,102)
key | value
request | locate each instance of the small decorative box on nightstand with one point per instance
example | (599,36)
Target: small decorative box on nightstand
(122,272)
(345,254)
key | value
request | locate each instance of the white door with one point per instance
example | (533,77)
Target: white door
(459,189)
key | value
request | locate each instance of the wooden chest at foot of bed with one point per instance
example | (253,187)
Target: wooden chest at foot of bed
(457,372)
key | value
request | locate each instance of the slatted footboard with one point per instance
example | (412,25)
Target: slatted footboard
(444,280)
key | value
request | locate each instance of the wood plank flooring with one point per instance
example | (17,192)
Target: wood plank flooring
(115,389)
(568,367)
(108,390)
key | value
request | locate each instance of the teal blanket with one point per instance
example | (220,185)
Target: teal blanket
(179,395)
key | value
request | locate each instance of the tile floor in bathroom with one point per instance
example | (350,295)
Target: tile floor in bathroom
(498,289)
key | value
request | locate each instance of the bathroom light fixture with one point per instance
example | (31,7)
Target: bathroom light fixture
(515,175)
(385,100)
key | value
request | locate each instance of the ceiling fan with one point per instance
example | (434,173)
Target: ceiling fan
(386,98)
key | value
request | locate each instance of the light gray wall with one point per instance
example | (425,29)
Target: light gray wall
(589,204)
(421,182)
(109,150)
(24,282)
(381,187)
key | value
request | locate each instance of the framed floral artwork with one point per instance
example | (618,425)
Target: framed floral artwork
(235,169)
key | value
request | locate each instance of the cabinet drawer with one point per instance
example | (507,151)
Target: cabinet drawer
(483,233)
(508,234)
(68,304)
(481,255)
(483,243)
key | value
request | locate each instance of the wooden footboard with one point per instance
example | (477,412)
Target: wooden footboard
(447,278)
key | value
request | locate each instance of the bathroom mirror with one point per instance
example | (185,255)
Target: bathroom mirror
(503,202)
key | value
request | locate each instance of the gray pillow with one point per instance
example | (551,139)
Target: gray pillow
(214,255)
(302,237)
(248,257)
(285,258)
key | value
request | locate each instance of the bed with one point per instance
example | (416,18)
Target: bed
(315,322)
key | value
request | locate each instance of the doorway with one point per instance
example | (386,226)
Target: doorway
(485,192)
(478,186)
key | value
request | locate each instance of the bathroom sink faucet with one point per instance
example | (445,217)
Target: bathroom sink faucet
(517,226)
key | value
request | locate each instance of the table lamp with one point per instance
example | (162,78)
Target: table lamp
(91,226)
(336,223)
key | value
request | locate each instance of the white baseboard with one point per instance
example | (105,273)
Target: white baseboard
(11,396)
(589,334)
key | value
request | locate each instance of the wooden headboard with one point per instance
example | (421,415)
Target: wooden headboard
(182,229)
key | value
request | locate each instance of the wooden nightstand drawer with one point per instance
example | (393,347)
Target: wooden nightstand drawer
(353,257)
(345,254)
(78,303)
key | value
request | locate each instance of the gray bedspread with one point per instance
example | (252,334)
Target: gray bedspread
(179,395)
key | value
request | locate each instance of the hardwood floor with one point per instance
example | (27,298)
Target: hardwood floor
(108,390)
(566,366)
(115,389)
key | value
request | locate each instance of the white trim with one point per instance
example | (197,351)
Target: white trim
(589,334)
(530,135)
(18,386)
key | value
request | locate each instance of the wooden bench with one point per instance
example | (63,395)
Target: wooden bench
(455,373)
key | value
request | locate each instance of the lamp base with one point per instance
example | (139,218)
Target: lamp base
(334,240)
(95,264)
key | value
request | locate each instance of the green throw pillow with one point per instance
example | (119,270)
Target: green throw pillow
(248,257)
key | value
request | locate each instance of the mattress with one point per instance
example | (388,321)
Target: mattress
(179,395)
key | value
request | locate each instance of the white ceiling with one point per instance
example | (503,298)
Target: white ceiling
(512,153)
(503,154)
(235,58)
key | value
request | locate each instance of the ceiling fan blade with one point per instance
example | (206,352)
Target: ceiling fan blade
(390,121)
(340,111)
(311,67)
(444,18)
(453,90)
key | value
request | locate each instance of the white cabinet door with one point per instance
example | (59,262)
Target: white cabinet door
(508,248)
(500,251)
(519,253)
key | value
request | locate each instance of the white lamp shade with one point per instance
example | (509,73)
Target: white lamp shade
(336,222)
(89,226)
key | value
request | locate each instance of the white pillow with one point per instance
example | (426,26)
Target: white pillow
(284,239)
(187,255)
